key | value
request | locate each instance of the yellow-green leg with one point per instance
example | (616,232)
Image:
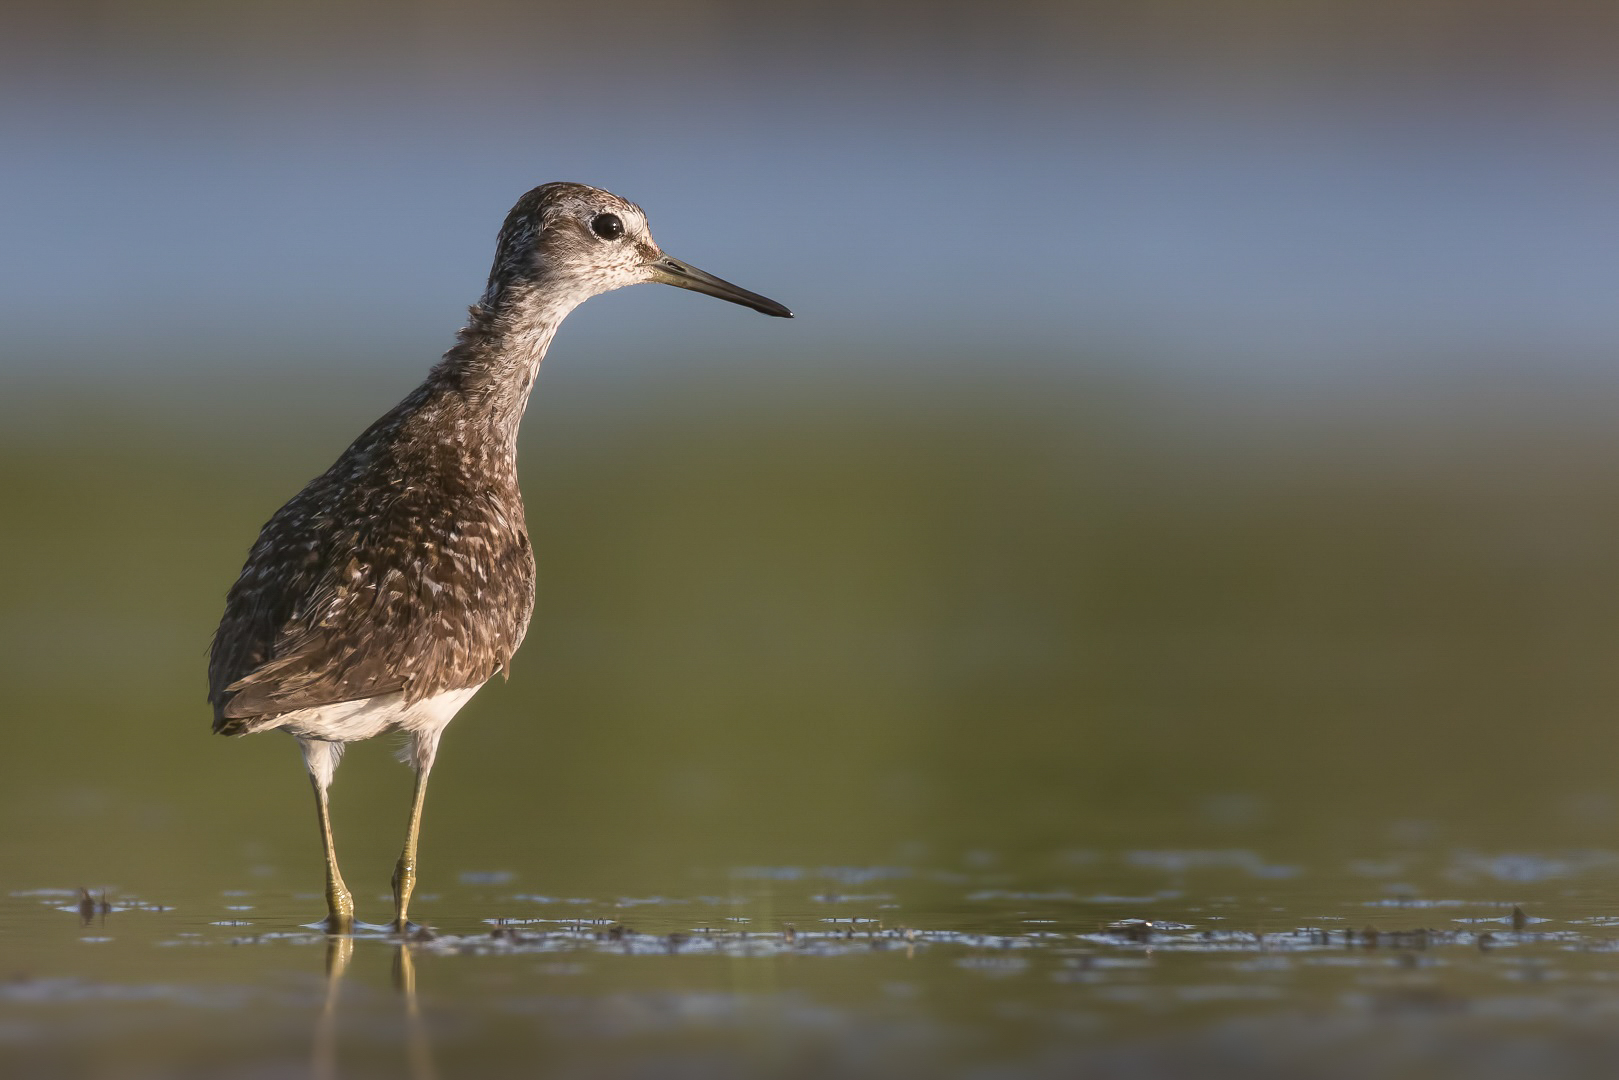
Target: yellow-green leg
(339,901)
(404,880)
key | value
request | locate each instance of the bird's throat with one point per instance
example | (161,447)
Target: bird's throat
(494,364)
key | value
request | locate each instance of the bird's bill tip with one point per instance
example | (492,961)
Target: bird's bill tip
(671,271)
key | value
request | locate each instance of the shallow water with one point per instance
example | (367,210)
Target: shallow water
(1198,962)
(975,734)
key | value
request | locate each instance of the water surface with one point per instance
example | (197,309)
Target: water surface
(1040,729)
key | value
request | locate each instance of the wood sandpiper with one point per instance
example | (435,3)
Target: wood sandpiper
(400,580)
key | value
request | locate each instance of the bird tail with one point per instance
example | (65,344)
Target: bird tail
(240,725)
(235,725)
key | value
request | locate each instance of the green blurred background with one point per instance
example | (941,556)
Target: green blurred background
(1198,423)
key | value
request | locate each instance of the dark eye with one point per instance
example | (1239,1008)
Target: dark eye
(607,226)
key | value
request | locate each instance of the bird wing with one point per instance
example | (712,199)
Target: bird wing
(355,593)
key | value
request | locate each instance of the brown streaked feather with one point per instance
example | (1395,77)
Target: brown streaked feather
(406,566)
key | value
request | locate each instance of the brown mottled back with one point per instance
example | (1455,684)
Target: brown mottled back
(406,567)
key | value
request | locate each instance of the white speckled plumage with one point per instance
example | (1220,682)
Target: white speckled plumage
(393,586)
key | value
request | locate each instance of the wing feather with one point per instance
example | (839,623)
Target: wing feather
(382,575)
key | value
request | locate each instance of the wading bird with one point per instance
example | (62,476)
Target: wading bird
(400,580)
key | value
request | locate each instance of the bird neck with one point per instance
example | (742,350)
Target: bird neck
(496,357)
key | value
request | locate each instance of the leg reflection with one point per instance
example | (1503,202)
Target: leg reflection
(339,950)
(417,1049)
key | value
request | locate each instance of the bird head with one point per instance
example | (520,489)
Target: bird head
(569,242)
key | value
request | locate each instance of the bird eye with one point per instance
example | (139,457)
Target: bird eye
(607,226)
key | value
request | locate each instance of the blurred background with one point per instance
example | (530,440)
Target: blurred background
(1198,424)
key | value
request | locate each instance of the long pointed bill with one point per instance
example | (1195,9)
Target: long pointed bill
(671,271)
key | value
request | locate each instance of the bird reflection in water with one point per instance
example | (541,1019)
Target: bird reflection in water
(418,1052)
(339,951)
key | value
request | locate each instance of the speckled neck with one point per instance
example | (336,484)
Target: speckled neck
(496,358)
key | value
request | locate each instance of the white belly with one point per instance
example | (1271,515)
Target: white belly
(323,730)
(365,718)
